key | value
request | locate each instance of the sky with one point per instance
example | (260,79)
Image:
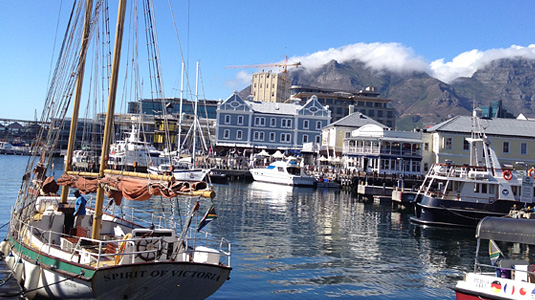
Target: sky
(446,39)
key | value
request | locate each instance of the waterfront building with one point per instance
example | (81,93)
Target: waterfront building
(333,135)
(376,149)
(157,107)
(269,125)
(365,101)
(512,139)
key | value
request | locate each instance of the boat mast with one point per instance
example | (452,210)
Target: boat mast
(95,234)
(195,114)
(180,111)
(77,95)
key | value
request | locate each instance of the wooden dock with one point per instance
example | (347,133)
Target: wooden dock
(9,287)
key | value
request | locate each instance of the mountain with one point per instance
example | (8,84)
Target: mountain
(422,100)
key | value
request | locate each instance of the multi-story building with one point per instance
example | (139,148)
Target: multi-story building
(379,150)
(270,87)
(366,101)
(512,140)
(333,135)
(269,125)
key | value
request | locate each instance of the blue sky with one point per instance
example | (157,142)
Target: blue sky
(447,39)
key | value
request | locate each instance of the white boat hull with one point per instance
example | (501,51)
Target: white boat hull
(264,175)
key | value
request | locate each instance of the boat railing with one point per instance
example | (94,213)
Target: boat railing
(506,272)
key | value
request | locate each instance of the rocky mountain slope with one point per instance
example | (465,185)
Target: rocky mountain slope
(422,100)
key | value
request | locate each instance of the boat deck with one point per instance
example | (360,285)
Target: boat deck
(9,287)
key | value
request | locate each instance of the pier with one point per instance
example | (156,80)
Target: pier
(9,287)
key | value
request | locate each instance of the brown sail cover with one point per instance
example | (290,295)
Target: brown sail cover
(137,189)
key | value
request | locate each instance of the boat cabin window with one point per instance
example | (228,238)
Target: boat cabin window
(280,169)
(516,190)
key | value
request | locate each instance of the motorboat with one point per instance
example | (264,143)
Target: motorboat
(505,270)
(462,195)
(287,172)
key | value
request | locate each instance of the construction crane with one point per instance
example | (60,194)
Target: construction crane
(284,65)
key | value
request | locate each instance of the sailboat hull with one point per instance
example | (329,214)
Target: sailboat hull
(67,280)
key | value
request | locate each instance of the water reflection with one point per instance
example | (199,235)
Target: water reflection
(303,243)
(307,243)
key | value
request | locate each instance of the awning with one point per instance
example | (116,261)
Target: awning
(507,230)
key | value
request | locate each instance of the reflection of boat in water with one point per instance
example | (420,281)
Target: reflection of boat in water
(461,195)
(328,183)
(286,172)
(106,256)
(499,274)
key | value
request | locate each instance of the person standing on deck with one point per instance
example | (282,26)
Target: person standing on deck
(79,208)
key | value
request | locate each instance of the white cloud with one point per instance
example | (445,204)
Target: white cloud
(242,78)
(398,58)
(379,56)
(465,64)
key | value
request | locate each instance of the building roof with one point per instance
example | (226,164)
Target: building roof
(356,120)
(275,108)
(496,126)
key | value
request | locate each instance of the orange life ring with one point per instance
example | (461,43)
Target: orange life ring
(120,251)
(507,175)
(531,172)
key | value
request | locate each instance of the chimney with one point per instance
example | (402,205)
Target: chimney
(351,109)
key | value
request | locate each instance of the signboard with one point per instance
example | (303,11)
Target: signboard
(527,189)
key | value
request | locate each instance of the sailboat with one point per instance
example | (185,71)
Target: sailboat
(184,168)
(107,255)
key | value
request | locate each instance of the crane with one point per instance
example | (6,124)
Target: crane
(284,65)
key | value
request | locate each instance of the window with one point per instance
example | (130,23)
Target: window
(505,147)
(239,134)
(371,113)
(305,124)
(378,104)
(305,138)
(258,121)
(240,120)
(258,136)
(380,113)
(318,125)
(272,136)
(466,145)
(273,122)
(318,139)
(369,104)
(347,134)
(226,134)
(227,119)
(286,138)
(389,114)
(447,143)
(426,147)
(524,148)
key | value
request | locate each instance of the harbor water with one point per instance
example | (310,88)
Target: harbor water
(305,243)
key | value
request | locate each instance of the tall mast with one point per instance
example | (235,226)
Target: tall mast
(180,111)
(77,95)
(95,234)
(195,114)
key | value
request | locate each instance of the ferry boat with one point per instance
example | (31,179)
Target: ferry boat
(500,274)
(461,195)
(287,172)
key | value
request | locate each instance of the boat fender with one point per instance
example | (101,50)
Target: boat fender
(32,274)
(18,269)
(122,246)
(10,260)
(531,172)
(507,175)
(4,248)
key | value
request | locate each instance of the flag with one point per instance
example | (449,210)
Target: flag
(208,216)
(494,252)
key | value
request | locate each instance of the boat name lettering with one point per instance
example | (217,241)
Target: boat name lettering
(481,282)
(162,273)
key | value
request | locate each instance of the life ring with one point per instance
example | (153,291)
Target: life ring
(507,175)
(120,251)
(147,245)
(531,172)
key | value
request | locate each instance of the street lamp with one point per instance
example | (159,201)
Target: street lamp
(402,164)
